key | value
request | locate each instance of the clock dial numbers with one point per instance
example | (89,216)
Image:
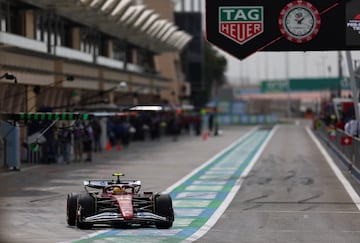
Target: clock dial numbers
(299,21)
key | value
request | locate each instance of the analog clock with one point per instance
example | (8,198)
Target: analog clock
(299,21)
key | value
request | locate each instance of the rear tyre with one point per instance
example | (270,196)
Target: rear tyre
(86,208)
(163,207)
(71,206)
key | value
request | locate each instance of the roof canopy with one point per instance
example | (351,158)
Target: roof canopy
(122,19)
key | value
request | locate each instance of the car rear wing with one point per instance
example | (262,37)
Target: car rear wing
(99,184)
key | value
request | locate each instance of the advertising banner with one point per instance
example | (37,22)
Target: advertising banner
(243,27)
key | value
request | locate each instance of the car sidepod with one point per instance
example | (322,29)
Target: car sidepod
(85,208)
(163,207)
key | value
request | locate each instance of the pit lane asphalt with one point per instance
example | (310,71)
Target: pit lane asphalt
(32,201)
(291,195)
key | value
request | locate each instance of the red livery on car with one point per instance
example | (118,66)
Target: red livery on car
(119,204)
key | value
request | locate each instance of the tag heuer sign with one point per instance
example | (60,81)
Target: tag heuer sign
(243,27)
(241,24)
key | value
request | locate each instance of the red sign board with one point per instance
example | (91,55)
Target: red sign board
(346,140)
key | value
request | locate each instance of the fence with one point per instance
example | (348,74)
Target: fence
(335,139)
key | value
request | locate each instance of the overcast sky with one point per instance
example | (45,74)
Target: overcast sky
(272,65)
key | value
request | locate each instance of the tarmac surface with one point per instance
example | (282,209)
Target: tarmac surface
(34,198)
(290,195)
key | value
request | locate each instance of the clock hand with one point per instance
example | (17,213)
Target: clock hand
(299,21)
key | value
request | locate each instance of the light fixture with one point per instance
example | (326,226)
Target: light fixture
(122,84)
(9,76)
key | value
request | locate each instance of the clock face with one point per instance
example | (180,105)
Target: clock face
(299,21)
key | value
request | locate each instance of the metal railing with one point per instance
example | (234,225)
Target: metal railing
(335,138)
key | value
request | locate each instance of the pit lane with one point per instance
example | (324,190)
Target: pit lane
(200,198)
(33,201)
(290,194)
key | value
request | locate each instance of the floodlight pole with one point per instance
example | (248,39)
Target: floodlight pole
(353,85)
(287,84)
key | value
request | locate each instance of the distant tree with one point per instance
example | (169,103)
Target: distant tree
(215,66)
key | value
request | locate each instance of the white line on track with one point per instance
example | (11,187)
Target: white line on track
(196,170)
(293,212)
(211,222)
(350,190)
(217,214)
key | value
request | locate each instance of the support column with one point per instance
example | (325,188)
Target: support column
(58,77)
(29,23)
(111,97)
(134,56)
(101,86)
(133,91)
(109,49)
(76,38)
(30,97)
(101,79)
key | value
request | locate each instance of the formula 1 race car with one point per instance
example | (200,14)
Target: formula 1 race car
(118,203)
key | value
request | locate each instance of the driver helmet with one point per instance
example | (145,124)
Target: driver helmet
(117,190)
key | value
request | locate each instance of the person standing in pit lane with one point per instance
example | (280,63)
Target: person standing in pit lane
(78,131)
(88,142)
(64,138)
(95,124)
(352,128)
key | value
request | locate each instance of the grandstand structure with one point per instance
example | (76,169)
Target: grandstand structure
(74,53)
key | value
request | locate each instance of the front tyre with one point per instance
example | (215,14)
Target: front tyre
(163,207)
(86,208)
(71,206)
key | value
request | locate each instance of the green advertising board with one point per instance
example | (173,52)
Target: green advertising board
(273,86)
(304,84)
